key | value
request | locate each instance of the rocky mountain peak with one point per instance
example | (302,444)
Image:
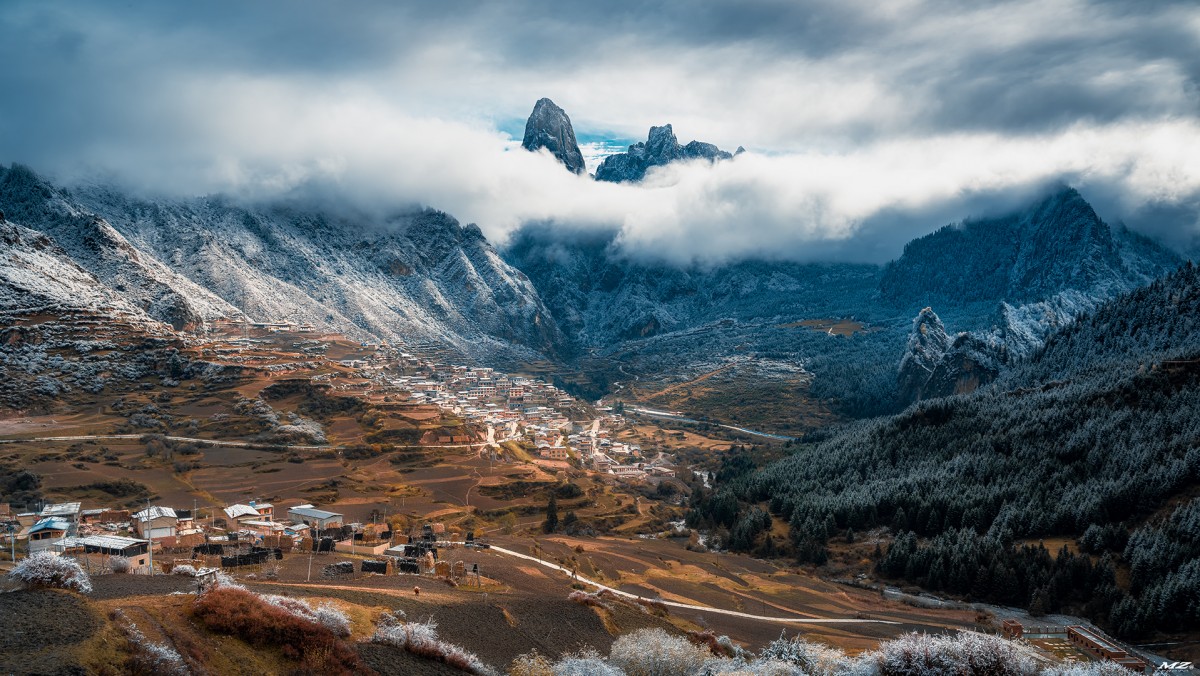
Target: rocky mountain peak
(1055,245)
(661,147)
(661,142)
(549,127)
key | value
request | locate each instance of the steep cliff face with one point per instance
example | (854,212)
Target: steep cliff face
(418,279)
(549,127)
(661,147)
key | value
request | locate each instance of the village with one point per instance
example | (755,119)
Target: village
(157,539)
(510,407)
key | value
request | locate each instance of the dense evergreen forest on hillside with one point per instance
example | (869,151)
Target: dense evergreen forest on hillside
(1096,438)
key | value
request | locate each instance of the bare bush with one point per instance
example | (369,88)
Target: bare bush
(119,564)
(585,599)
(531,664)
(242,613)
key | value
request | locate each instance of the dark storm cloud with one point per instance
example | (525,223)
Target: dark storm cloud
(873,121)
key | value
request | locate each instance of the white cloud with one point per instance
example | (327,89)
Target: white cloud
(871,125)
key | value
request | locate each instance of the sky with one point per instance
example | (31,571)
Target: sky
(866,123)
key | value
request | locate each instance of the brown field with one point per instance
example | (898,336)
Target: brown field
(836,327)
(737,394)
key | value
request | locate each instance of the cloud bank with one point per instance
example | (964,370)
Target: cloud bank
(867,125)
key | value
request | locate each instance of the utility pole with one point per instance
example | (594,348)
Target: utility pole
(149,536)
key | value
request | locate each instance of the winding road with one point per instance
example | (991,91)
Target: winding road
(689,606)
(675,416)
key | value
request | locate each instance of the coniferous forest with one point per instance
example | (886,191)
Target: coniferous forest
(1094,438)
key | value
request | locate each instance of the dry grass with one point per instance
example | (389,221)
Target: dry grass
(241,613)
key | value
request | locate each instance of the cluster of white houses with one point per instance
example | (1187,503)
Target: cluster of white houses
(67,528)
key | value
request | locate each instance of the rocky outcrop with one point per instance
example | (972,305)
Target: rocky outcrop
(661,147)
(927,345)
(937,364)
(549,127)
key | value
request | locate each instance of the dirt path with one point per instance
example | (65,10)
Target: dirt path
(698,379)
(214,442)
(689,606)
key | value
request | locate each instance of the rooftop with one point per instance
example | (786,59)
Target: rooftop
(155,512)
(61,509)
(105,541)
(240,510)
(312,513)
(50,523)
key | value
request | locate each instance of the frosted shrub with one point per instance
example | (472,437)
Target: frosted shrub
(531,664)
(223,579)
(326,614)
(119,564)
(586,662)
(654,652)
(421,639)
(155,658)
(1089,669)
(968,654)
(47,570)
(811,658)
(184,569)
(739,667)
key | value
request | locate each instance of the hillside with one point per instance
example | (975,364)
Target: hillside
(1055,245)
(1089,439)
(418,278)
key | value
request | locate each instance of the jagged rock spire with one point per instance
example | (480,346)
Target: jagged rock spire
(549,127)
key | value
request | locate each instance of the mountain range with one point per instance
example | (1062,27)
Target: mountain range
(996,287)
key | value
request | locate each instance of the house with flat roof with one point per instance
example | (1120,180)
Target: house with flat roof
(112,545)
(318,519)
(65,510)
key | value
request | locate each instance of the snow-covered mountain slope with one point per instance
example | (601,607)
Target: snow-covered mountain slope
(417,279)
(38,277)
(94,245)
